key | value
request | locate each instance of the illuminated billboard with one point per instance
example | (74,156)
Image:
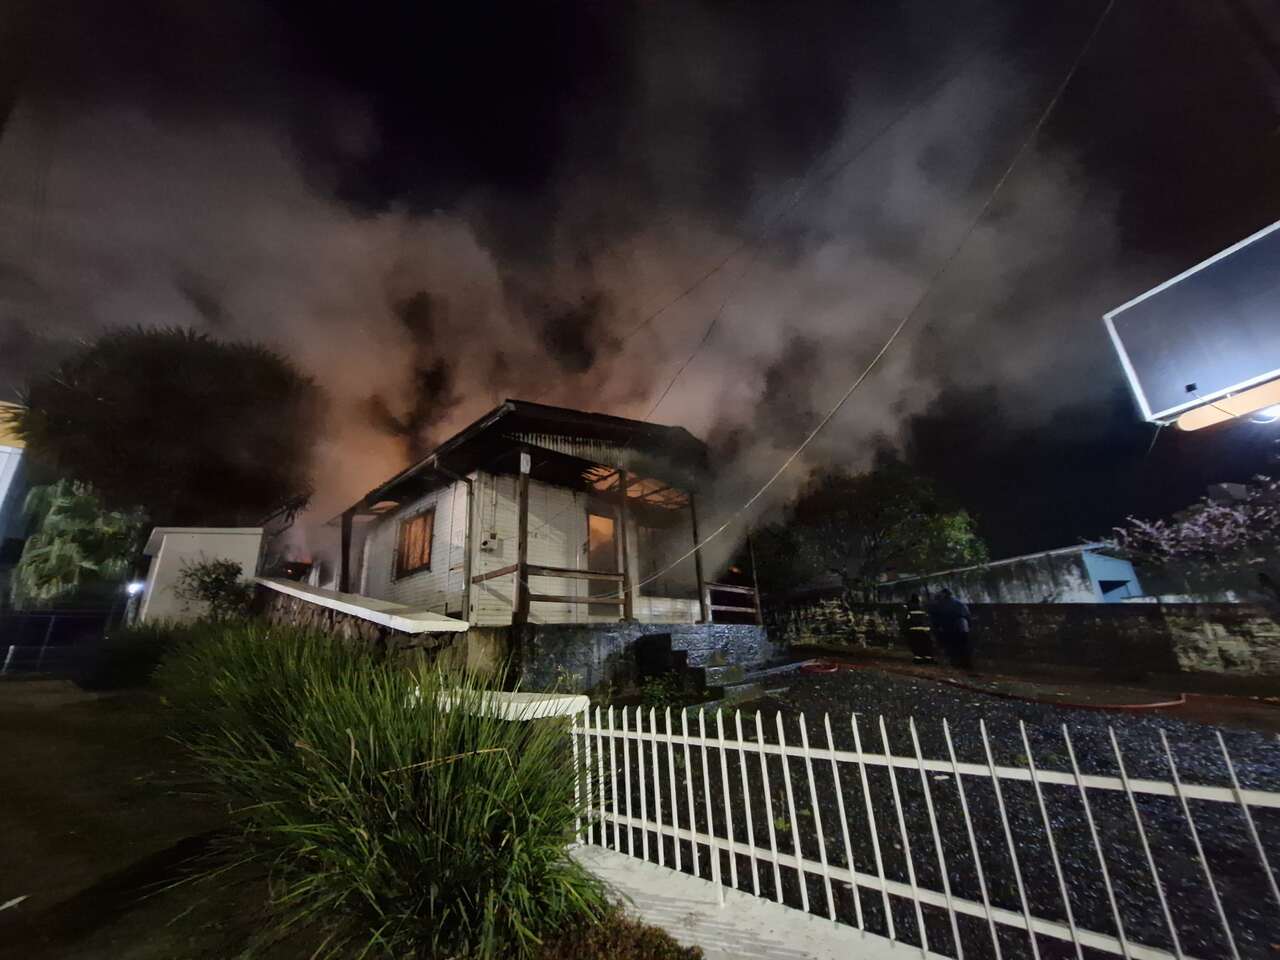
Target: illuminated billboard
(1205,346)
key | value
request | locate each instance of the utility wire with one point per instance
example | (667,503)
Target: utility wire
(706,335)
(807,184)
(829,175)
(805,187)
(1154,437)
(902,324)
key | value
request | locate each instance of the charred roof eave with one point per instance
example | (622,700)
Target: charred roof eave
(512,416)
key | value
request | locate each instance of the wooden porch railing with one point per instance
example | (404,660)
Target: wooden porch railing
(571,573)
(713,607)
(567,573)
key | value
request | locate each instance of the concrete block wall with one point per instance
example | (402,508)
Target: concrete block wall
(1117,638)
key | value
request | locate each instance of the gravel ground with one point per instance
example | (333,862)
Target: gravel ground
(1254,916)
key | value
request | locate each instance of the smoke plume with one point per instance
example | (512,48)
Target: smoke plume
(427,236)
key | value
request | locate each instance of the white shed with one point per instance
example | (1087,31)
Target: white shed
(173,548)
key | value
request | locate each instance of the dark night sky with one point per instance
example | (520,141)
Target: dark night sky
(445,204)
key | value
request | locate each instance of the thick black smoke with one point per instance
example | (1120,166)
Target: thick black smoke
(432,207)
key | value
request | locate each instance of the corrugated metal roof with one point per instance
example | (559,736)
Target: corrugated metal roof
(575,428)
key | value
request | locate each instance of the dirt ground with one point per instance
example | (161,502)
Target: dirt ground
(99,815)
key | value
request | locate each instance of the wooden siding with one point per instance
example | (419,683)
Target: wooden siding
(557,538)
(439,588)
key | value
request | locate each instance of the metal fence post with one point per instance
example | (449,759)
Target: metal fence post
(48,631)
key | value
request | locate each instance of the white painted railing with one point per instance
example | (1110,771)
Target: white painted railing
(685,800)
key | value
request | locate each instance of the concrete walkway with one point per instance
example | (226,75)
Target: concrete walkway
(745,927)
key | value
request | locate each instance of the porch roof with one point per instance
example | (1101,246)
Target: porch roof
(665,453)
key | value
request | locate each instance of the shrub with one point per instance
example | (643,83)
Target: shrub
(620,937)
(218,584)
(410,829)
(663,690)
(127,657)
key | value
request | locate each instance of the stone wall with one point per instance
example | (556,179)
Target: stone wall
(286,610)
(1116,638)
(573,656)
(585,657)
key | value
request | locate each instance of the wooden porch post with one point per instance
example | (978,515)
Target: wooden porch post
(520,596)
(628,595)
(704,604)
(344,558)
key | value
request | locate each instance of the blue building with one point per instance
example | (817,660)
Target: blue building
(1080,574)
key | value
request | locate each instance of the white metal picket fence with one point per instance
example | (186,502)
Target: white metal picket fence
(952,854)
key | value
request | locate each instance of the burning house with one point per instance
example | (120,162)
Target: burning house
(550,534)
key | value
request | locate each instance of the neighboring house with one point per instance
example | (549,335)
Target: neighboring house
(1080,574)
(608,501)
(13,493)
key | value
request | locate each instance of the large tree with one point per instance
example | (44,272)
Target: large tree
(78,552)
(859,527)
(194,430)
(1231,536)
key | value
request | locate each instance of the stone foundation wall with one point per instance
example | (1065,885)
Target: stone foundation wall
(1227,638)
(584,657)
(280,608)
(565,655)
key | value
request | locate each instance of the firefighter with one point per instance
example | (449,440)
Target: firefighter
(951,618)
(918,631)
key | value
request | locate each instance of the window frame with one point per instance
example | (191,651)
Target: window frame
(401,571)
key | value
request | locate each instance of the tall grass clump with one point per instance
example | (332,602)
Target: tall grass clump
(401,821)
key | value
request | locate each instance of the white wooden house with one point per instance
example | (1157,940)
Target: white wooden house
(539,514)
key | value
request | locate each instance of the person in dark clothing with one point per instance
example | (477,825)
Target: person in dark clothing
(951,620)
(918,630)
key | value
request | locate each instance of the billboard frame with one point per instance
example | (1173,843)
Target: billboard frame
(1199,400)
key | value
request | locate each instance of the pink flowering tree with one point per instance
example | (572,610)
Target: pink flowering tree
(1237,533)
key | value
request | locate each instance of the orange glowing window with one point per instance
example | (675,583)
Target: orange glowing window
(413,547)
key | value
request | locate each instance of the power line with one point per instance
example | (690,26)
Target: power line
(706,335)
(842,166)
(902,324)
(807,184)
